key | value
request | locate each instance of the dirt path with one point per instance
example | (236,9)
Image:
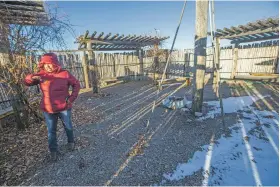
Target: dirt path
(116,154)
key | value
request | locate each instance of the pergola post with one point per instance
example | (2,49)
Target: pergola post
(200,54)
(94,71)
(85,68)
(276,64)
(156,62)
(217,62)
(235,59)
(140,57)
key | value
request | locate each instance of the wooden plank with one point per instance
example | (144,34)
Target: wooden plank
(254,26)
(107,36)
(257,78)
(124,38)
(8,7)
(23,20)
(250,33)
(130,38)
(229,31)
(223,32)
(145,39)
(85,36)
(255,40)
(244,28)
(93,34)
(262,24)
(264,74)
(100,35)
(120,49)
(236,29)
(113,37)
(136,38)
(274,22)
(120,37)
(38,3)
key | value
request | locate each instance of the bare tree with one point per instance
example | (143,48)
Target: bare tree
(18,42)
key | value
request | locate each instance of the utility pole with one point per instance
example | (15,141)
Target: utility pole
(201,24)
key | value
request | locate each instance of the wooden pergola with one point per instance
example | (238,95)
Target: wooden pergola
(23,12)
(117,42)
(108,42)
(259,30)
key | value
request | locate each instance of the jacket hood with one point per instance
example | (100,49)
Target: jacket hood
(49,58)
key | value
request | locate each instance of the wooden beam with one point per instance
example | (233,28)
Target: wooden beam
(130,38)
(113,42)
(263,24)
(119,38)
(113,37)
(25,3)
(25,21)
(139,39)
(147,39)
(25,13)
(107,36)
(8,7)
(143,39)
(86,35)
(222,32)
(229,31)
(254,26)
(135,39)
(100,35)
(93,35)
(124,38)
(259,31)
(255,40)
(117,49)
(273,22)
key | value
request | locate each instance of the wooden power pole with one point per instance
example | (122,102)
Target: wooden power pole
(200,54)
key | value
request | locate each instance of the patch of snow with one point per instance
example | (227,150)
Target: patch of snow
(249,157)
(231,105)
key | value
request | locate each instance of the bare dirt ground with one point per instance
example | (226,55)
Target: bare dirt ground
(116,147)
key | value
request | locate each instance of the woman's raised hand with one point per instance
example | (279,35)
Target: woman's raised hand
(36,77)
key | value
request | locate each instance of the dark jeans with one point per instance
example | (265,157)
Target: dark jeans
(51,120)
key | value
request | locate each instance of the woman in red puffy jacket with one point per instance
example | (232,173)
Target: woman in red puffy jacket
(56,101)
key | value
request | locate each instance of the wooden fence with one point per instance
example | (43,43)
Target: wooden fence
(250,59)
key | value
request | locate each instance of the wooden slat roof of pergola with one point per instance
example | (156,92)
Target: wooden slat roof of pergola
(259,30)
(109,42)
(23,12)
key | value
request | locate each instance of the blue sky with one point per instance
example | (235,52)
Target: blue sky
(142,17)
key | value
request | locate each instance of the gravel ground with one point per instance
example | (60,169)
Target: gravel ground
(120,150)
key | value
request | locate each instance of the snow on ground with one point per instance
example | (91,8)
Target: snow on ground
(231,105)
(249,157)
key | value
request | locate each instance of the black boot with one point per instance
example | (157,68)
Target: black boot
(53,156)
(71,146)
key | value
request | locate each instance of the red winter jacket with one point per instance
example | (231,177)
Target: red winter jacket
(54,86)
